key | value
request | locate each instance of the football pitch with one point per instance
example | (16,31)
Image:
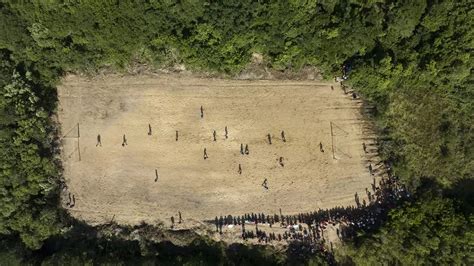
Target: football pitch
(145,147)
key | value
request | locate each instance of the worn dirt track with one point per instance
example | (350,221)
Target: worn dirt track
(112,181)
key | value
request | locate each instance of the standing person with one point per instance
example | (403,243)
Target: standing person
(269,138)
(99,142)
(364,147)
(156,175)
(176,135)
(124,140)
(180,219)
(70,199)
(226,132)
(283,136)
(240,169)
(149,130)
(214,135)
(321,147)
(202,112)
(247,149)
(205,154)
(241,148)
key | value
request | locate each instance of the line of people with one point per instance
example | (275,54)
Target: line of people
(366,217)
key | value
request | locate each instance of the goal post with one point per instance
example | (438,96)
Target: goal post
(337,131)
(72,132)
(71,141)
(332,140)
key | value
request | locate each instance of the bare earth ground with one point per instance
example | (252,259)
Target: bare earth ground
(115,182)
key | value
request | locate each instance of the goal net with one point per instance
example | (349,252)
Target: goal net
(340,142)
(70,143)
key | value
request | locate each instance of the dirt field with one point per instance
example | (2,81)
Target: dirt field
(118,182)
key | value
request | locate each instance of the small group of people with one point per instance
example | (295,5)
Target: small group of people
(269,137)
(180,219)
(71,198)
(99,141)
(244,151)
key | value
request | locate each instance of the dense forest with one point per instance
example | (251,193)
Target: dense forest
(412,60)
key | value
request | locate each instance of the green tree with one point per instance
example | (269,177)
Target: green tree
(28,176)
(428,231)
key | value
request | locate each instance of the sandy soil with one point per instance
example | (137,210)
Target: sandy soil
(118,182)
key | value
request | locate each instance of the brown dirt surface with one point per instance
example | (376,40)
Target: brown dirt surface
(118,182)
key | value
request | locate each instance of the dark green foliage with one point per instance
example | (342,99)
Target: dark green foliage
(431,230)
(422,84)
(28,176)
(77,249)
